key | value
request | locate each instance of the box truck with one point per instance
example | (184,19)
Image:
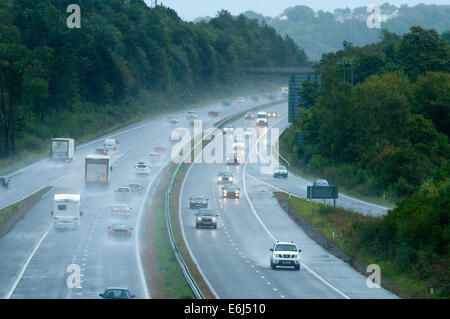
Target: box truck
(66,210)
(97,170)
(62,149)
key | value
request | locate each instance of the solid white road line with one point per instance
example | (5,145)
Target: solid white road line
(24,267)
(269,232)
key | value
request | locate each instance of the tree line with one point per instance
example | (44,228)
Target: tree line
(60,81)
(384,132)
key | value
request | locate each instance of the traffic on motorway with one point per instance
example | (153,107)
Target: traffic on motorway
(99,189)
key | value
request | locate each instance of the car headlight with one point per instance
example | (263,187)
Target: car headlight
(219,179)
(214,219)
(278,255)
(199,219)
(231,179)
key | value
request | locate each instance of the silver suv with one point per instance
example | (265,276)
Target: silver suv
(285,254)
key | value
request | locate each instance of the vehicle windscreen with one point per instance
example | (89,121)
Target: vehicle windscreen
(123,190)
(262,116)
(117,294)
(205,213)
(283,247)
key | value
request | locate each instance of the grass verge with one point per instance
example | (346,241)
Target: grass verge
(331,227)
(162,272)
(10,215)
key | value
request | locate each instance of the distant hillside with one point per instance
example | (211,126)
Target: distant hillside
(322,32)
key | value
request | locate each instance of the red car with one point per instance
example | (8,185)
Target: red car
(159,149)
(213,113)
(101,151)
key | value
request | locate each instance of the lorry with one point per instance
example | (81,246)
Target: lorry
(262,119)
(96,170)
(66,211)
(62,149)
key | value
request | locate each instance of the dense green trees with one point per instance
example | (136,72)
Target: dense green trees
(388,132)
(54,78)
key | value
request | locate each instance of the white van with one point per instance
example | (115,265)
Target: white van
(66,210)
(111,143)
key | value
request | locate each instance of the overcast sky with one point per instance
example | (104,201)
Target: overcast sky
(191,9)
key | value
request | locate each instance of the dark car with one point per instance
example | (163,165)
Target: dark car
(213,113)
(120,230)
(4,181)
(224,177)
(230,190)
(198,201)
(233,160)
(174,120)
(136,188)
(206,217)
(117,293)
(226,102)
(320,182)
(101,151)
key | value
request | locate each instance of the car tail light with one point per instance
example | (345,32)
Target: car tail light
(130,193)
(111,231)
(127,210)
(6,182)
(128,232)
(114,210)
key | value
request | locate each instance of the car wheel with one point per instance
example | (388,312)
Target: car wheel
(272,266)
(215,226)
(297,267)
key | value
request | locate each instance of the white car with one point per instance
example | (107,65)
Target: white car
(191,115)
(280,171)
(285,254)
(176,135)
(142,169)
(240,100)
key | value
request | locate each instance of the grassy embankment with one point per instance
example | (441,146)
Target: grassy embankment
(347,226)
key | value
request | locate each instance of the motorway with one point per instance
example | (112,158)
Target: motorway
(34,257)
(234,258)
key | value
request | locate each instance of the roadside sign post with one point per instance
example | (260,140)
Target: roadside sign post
(324,192)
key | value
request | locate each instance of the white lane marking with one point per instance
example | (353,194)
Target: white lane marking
(268,231)
(138,237)
(24,267)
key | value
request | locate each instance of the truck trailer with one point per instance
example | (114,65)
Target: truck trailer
(96,170)
(62,149)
